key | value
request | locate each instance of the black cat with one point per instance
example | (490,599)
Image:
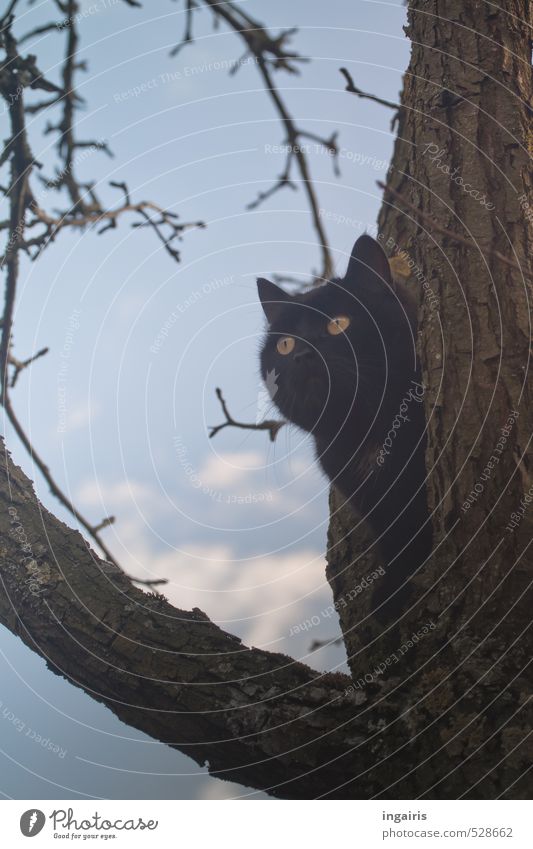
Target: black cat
(343,357)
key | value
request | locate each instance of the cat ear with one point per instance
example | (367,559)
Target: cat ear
(368,269)
(272,298)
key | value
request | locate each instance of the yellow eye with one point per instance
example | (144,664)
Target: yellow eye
(285,345)
(338,325)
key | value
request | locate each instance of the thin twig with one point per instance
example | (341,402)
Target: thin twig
(25,214)
(20,365)
(92,530)
(8,13)
(365,95)
(86,208)
(283,181)
(149,582)
(352,88)
(271,425)
(320,644)
(109,217)
(188,36)
(51,27)
(22,163)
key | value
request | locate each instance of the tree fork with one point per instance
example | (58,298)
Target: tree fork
(451,717)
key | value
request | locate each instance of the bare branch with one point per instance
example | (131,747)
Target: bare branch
(282,182)
(188,35)
(352,88)
(53,26)
(203,691)
(109,520)
(272,54)
(271,425)
(20,365)
(8,13)
(166,226)
(166,220)
(25,214)
(92,530)
(18,191)
(149,582)
(321,644)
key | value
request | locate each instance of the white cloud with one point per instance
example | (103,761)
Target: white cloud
(124,497)
(230,468)
(259,599)
(228,790)
(81,416)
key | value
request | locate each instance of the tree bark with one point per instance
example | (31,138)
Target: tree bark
(448,716)
(466,116)
(254,717)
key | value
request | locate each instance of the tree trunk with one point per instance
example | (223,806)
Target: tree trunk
(438,704)
(464,116)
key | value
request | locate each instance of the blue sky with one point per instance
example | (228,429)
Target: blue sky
(237,525)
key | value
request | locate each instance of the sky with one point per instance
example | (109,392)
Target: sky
(121,405)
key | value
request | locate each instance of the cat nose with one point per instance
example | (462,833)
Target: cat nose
(303,354)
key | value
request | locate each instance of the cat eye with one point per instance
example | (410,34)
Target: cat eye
(285,345)
(338,324)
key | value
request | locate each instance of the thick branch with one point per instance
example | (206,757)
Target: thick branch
(259,718)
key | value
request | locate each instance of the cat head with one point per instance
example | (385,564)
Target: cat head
(331,355)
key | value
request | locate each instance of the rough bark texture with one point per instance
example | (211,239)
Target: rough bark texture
(467,93)
(257,718)
(448,716)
